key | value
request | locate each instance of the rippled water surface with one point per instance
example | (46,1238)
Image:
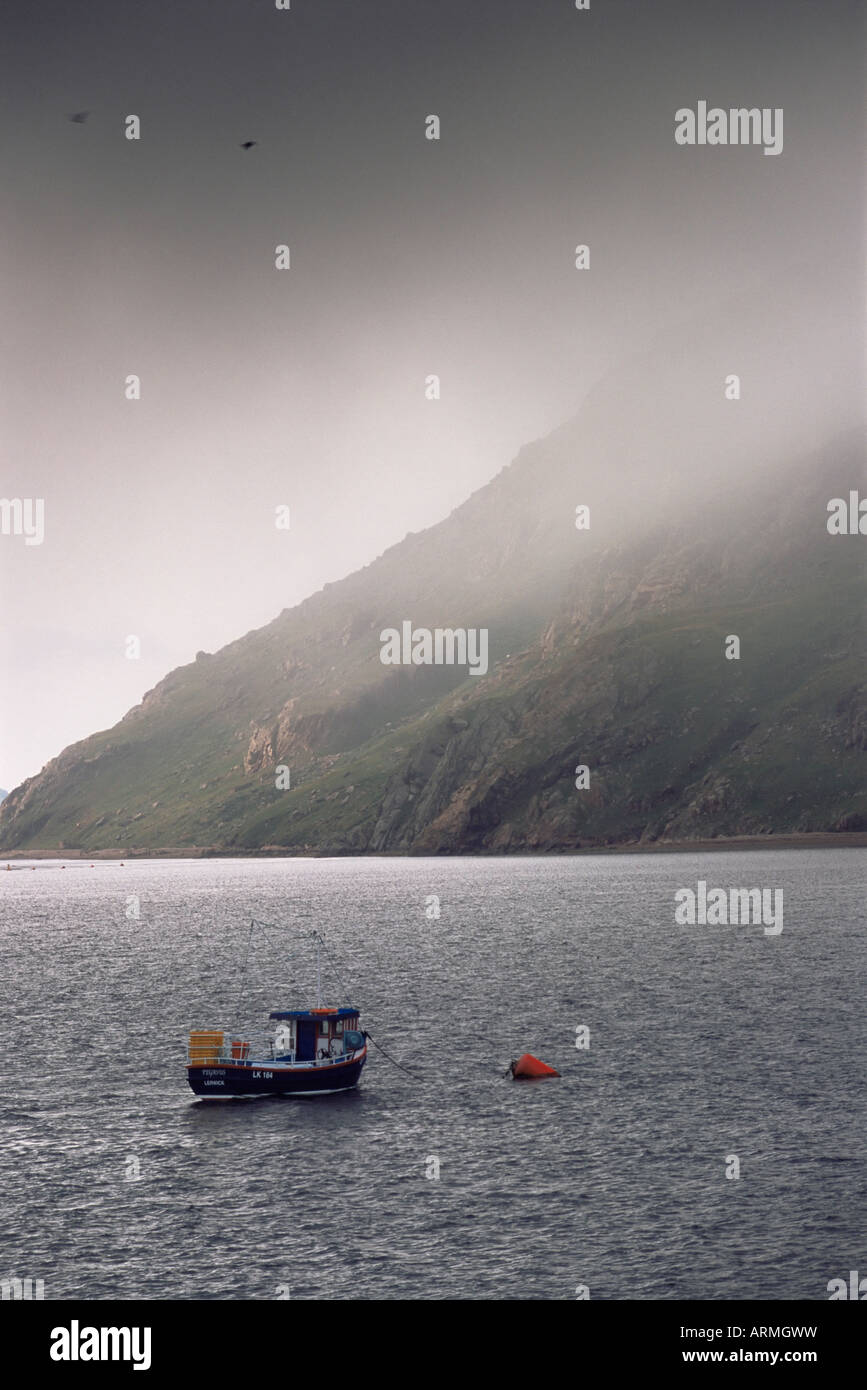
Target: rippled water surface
(705,1042)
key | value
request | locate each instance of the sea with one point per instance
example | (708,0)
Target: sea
(704,1140)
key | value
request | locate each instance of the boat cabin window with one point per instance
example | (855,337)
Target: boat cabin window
(323,1027)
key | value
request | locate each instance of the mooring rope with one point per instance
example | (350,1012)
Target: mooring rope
(414,1074)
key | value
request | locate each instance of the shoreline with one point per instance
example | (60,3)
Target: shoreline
(854,839)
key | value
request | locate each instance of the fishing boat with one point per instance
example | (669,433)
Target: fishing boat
(311,1052)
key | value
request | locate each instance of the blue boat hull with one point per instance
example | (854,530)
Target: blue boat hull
(264,1079)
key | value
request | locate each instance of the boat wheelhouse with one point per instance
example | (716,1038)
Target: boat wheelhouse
(320,1035)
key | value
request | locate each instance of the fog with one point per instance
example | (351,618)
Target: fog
(410,257)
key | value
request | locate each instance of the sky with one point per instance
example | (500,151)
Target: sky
(305,388)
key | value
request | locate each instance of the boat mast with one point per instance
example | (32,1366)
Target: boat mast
(318,974)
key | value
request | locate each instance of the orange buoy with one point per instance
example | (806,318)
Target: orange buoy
(528,1068)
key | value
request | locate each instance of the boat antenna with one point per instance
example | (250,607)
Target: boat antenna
(318,970)
(267,927)
(244,974)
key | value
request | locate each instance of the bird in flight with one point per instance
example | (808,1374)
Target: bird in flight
(248,144)
(79,117)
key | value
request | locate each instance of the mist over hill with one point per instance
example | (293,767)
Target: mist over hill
(607,644)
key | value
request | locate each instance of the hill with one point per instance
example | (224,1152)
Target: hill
(607,649)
